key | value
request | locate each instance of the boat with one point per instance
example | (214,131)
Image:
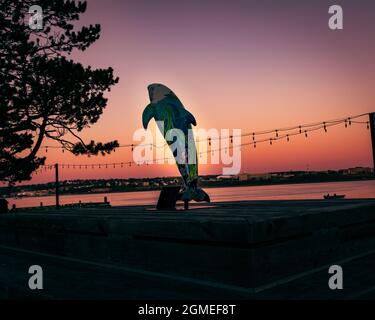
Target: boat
(334,196)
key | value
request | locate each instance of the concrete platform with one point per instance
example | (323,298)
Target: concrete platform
(70,279)
(243,248)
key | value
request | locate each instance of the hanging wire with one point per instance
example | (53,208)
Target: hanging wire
(291,131)
(346,120)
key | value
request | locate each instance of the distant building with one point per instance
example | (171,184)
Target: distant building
(223,177)
(99,190)
(243,177)
(358,170)
(254,176)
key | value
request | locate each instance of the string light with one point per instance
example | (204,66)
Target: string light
(347,120)
(291,132)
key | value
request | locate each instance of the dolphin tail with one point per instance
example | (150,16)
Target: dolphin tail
(193,192)
(201,195)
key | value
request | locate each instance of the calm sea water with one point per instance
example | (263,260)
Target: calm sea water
(352,189)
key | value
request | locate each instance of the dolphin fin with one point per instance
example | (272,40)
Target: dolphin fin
(190,118)
(148,114)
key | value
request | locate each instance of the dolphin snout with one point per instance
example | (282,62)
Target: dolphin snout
(150,92)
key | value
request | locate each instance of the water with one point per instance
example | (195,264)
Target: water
(352,189)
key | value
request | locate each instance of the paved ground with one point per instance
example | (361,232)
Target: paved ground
(66,278)
(74,279)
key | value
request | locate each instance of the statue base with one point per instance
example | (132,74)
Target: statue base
(168,198)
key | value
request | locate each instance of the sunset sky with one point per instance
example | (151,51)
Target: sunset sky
(252,65)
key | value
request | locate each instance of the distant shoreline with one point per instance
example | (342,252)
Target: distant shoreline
(226,184)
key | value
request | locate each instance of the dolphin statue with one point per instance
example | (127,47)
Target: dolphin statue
(169,113)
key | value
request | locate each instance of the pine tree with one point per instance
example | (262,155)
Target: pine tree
(43,93)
